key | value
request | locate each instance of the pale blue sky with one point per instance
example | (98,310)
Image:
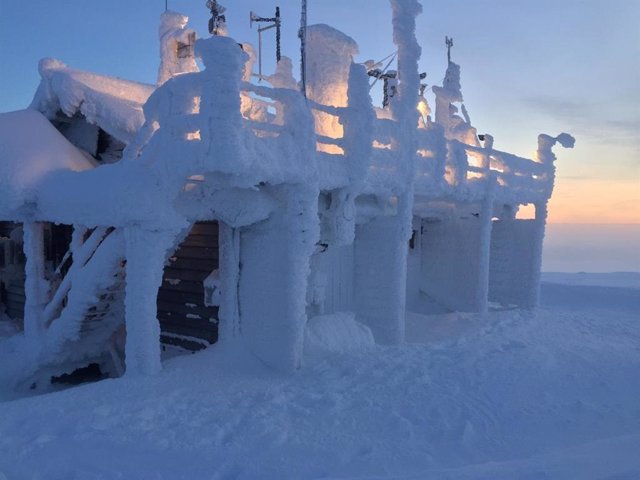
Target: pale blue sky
(527,67)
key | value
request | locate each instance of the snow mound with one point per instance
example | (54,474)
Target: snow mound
(336,333)
(32,149)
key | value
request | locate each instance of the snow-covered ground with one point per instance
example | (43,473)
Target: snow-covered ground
(555,395)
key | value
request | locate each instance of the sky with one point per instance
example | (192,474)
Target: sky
(528,67)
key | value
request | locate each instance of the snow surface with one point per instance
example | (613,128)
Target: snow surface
(501,396)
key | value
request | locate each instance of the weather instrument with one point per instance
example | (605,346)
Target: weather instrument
(217,20)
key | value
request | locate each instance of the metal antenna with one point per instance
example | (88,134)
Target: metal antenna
(273,22)
(217,20)
(302,34)
(449,43)
(166,5)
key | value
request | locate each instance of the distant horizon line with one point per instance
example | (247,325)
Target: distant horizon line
(630,224)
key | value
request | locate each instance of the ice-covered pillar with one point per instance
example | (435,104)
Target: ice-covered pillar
(275,267)
(386,239)
(229,312)
(484,246)
(36,286)
(146,253)
(176,46)
(357,120)
(544,155)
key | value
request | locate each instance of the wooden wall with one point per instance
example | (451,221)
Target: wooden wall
(12,285)
(184,319)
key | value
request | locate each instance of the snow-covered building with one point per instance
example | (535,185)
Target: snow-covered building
(209,208)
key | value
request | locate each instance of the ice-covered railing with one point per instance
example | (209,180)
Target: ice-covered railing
(523,179)
(272,112)
(454,165)
(213,121)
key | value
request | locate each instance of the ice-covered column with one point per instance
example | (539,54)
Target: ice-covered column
(176,46)
(544,155)
(381,284)
(146,252)
(275,257)
(484,245)
(357,119)
(404,108)
(36,286)
(229,312)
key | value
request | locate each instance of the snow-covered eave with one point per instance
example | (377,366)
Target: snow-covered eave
(113,104)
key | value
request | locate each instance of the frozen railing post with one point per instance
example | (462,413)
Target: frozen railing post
(485,164)
(544,155)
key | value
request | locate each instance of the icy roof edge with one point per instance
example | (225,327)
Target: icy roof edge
(114,104)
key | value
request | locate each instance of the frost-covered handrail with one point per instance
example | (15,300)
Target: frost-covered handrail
(283,103)
(330,109)
(510,170)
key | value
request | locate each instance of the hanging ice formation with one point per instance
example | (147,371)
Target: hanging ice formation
(300,214)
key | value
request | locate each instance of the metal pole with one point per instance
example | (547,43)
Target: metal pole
(259,55)
(277,34)
(303,40)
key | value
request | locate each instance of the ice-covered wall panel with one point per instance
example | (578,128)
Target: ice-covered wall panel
(380,278)
(513,272)
(452,263)
(331,280)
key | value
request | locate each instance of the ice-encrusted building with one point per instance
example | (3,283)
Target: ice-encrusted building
(208,208)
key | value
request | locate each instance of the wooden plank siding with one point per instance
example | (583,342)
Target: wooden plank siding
(12,288)
(184,319)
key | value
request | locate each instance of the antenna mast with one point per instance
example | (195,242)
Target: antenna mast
(302,34)
(449,43)
(274,22)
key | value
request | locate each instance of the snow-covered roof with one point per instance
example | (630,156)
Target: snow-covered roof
(30,150)
(114,104)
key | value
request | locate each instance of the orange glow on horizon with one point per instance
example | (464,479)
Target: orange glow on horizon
(595,201)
